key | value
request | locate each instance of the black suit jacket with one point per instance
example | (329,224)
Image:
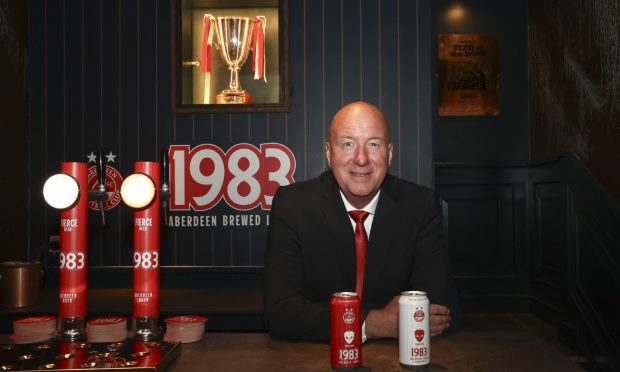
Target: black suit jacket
(311,253)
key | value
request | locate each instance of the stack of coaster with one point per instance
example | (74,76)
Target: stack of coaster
(185,328)
(106,329)
(33,329)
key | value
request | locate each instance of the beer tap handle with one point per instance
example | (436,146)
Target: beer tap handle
(101,170)
(101,194)
(165,189)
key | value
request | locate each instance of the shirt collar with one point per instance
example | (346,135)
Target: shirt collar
(370,207)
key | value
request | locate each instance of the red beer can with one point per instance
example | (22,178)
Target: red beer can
(346,330)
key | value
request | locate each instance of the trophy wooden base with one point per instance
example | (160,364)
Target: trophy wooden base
(235,97)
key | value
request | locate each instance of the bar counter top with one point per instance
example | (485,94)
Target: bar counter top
(467,351)
(463,351)
(235,338)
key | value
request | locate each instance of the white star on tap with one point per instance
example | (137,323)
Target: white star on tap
(110,157)
(92,157)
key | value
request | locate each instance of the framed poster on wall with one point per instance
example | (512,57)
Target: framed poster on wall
(468,75)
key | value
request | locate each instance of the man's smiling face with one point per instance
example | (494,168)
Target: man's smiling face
(359,151)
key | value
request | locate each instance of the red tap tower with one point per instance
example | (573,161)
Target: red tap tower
(73,259)
(145,322)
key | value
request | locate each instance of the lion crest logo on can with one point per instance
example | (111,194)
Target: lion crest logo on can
(348,317)
(418,316)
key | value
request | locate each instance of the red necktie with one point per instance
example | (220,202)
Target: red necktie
(361,247)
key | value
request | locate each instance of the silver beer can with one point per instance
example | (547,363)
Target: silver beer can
(414,336)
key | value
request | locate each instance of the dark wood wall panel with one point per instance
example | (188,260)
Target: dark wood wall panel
(592,286)
(593,267)
(575,245)
(549,253)
(594,279)
(542,237)
(485,230)
(101,79)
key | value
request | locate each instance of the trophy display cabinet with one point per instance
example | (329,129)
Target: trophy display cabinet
(229,55)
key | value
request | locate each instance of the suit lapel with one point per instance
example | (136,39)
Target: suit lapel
(343,238)
(382,232)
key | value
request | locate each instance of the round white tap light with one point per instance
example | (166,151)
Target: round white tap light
(138,190)
(61,191)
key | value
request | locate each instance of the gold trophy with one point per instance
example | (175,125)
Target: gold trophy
(234,37)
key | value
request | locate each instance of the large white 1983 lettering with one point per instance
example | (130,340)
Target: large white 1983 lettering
(280,175)
(214,180)
(245,177)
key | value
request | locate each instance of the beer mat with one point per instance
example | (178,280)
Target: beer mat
(106,329)
(104,321)
(107,337)
(69,356)
(186,319)
(34,326)
(185,328)
(35,319)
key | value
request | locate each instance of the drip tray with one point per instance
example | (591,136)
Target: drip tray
(58,356)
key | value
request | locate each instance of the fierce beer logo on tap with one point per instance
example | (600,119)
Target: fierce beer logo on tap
(113,181)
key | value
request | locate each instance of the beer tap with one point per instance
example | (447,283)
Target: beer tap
(68,192)
(140,192)
(99,195)
(146,191)
(165,189)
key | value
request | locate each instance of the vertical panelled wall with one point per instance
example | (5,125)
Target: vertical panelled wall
(13,130)
(479,162)
(100,78)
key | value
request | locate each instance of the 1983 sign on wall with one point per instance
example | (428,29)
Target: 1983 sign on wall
(245,176)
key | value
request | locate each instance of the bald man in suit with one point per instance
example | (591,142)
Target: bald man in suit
(311,244)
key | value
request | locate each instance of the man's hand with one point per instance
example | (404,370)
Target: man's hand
(383,323)
(440,319)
